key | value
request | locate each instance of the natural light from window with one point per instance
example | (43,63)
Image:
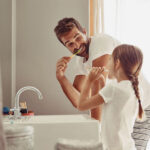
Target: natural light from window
(129,22)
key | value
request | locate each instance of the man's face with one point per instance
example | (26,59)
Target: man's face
(75,40)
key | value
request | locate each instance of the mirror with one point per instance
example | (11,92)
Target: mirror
(30,49)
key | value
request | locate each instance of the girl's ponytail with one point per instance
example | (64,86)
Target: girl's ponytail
(135,83)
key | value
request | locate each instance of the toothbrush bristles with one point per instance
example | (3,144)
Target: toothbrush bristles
(75,53)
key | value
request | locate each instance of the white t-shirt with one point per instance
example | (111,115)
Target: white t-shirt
(118,116)
(100,45)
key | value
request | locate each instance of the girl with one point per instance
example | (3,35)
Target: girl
(120,97)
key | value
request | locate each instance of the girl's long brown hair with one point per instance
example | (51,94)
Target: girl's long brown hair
(131,59)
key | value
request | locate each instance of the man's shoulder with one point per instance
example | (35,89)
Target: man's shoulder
(101,60)
(102,44)
(103,37)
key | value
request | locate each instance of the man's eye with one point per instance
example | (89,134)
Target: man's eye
(78,38)
(70,44)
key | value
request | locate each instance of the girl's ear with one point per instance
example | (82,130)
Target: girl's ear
(117,64)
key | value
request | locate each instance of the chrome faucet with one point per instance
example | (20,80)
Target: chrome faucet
(16,109)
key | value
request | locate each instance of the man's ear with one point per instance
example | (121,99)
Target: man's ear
(84,31)
(117,64)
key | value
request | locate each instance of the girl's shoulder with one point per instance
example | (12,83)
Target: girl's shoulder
(122,88)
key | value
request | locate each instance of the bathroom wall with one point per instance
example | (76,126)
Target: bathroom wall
(37,50)
(5,49)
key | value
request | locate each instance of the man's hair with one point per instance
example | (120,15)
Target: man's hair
(66,25)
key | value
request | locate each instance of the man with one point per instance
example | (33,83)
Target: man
(94,51)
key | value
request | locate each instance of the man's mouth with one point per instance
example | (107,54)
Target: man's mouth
(81,50)
(76,50)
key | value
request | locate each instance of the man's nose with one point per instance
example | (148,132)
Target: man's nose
(77,46)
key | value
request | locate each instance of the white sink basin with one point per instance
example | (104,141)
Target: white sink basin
(47,129)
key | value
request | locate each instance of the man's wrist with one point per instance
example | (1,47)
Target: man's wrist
(60,78)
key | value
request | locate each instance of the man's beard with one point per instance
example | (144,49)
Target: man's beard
(84,46)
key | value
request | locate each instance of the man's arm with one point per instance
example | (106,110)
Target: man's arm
(72,91)
(86,102)
(78,82)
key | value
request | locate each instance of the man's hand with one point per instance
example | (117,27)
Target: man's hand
(61,67)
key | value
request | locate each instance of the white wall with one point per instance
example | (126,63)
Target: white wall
(38,50)
(5,49)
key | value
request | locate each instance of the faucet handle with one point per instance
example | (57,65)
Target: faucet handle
(12,109)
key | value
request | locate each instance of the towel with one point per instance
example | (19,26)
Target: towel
(70,144)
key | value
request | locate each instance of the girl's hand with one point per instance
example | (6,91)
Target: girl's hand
(95,74)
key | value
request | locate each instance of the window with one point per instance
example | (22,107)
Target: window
(129,22)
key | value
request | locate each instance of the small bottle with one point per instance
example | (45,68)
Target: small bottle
(23,106)
(6,110)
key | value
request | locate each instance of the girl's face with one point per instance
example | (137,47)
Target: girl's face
(111,67)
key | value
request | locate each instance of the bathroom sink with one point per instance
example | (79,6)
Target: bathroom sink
(49,128)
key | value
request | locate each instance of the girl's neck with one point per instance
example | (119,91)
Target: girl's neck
(121,76)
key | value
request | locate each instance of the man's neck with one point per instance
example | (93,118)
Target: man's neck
(86,57)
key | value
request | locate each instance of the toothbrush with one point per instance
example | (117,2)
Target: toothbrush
(75,53)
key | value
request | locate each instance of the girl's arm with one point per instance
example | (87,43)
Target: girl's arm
(86,102)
